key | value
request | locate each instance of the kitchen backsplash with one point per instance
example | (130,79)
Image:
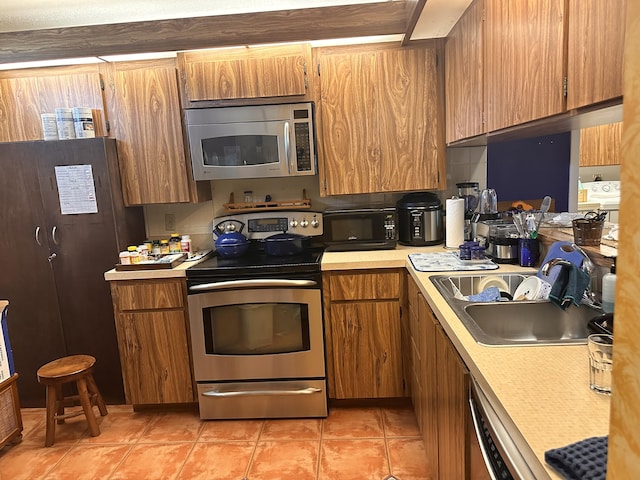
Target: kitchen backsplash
(463,165)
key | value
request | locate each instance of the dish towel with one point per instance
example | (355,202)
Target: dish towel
(569,286)
(583,460)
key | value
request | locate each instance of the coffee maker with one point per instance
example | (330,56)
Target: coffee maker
(470,193)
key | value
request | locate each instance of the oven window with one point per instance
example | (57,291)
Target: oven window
(256,328)
(238,150)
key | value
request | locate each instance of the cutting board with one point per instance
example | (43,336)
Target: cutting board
(562,250)
(447,262)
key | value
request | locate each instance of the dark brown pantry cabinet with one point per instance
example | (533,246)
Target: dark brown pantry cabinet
(62,225)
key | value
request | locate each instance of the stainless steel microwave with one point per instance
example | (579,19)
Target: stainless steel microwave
(252,141)
(359,229)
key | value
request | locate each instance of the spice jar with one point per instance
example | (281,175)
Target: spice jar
(124,258)
(164,247)
(185,244)
(155,248)
(143,251)
(174,243)
(134,255)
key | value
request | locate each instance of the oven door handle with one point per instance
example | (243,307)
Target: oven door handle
(274,282)
(246,393)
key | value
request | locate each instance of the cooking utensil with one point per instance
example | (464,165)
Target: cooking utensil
(519,223)
(286,244)
(544,208)
(232,243)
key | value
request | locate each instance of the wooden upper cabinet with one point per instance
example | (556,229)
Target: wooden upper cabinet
(525,61)
(245,73)
(25,94)
(600,145)
(147,122)
(464,75)
(349,115)
(595,51)
(381,118)
(19,110)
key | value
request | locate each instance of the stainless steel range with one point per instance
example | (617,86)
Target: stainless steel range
(256,325)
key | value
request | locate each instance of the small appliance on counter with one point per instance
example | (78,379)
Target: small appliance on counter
(420,219)
(360,229)
(470,193)
(500,238)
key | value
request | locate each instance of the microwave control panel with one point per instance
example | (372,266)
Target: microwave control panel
(390,226)
(303,147)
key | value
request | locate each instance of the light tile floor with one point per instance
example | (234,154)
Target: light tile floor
(350,444)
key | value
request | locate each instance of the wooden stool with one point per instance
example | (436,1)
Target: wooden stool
(75,368)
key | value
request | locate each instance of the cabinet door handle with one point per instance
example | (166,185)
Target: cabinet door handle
(38,236)
(51,257)
(53,234)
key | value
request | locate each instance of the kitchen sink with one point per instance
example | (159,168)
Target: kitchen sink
(513,323)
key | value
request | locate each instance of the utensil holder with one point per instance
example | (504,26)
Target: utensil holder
(587,232)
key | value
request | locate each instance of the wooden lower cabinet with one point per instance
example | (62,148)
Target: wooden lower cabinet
(363,334)
(153,340)
(440,392)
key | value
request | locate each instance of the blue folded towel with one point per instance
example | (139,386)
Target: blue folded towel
(489,294)
(569,286)
(583,460)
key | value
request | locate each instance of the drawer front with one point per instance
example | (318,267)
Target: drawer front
(145,295)
(365,286)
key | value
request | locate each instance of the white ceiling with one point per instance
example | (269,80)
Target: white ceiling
(16,15)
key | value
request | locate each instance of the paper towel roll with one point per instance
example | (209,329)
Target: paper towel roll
(454,222)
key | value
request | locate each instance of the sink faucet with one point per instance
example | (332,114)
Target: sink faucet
(587,266)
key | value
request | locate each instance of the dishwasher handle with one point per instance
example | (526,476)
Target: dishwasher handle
(252,283)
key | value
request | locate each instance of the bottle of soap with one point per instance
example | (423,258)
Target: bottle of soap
(609,289)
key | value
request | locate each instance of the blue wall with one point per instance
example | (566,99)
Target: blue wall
(530,169)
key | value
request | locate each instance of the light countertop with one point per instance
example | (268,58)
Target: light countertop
(541,394)
(175,272)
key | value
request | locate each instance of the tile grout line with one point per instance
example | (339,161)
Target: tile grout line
(386,444)
(318,463)
(253,453)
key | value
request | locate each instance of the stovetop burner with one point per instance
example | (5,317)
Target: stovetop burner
(255,263)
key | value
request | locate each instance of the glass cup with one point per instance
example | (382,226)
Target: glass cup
(600,362)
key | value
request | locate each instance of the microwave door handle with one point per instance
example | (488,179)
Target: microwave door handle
(287,145)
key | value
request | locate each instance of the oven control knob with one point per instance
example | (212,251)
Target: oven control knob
(293,223)
(304,223)
(315,223)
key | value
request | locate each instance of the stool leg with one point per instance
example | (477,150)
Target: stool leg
(93,390)
(59,403)
(51,415)
(86,406)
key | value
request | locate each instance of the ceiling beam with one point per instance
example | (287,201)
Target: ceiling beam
(382,18)
(414,10)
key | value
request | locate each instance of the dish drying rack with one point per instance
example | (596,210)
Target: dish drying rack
(232,206)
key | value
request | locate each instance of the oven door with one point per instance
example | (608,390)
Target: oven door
(257,333)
